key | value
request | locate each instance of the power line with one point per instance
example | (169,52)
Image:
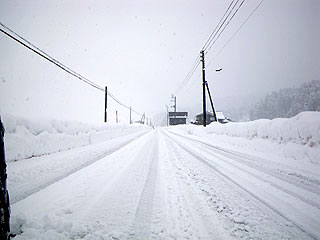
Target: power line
(208,49)
(189,75)
(214,31)
(188,87)
(52,61)
(209,43)
(46,56)
(221,23)
(235,33)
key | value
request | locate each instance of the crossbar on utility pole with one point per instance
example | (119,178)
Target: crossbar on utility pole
(203,89)
(105,104)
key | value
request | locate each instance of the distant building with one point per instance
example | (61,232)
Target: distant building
(199,118)
(210,118)
(221,118)
(176,118)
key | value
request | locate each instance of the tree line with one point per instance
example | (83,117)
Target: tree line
(288,102)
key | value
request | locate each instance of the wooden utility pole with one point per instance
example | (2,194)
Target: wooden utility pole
(105,104)
(175,103)
(130,116)
(4,195)
(167,116)
(117,120)
(211,102)
(203,89)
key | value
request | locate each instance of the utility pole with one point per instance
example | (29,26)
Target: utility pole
(105,104)
(130,116)
(142,118)
(117,120)
(211,102)
(167,115)
(4,195)
(204,89)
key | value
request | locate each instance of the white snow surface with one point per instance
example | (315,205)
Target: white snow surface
(179,182)
(26,138)
(297,138)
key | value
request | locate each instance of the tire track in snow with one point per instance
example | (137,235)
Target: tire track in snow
(311,185)
(207,225)
(102,198)
(309,232)
(240,216)
(141,224)
(75,169)
(119,196)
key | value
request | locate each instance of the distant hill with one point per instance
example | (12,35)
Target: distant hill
(288,102)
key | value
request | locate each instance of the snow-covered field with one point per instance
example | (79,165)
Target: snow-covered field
(255,180)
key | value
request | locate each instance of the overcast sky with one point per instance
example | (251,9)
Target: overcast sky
(142,50)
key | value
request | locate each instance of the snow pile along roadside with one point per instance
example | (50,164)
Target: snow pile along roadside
(26,138)
(296,138)
(302,129)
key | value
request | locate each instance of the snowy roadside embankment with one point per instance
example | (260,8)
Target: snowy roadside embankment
(297,137)
(26,138)
(301,129)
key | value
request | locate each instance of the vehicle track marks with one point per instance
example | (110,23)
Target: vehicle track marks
(141,223)
(243,189)
(75,169)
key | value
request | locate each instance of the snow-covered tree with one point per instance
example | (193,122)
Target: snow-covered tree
(288,102)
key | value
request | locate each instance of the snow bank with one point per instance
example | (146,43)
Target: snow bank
(301,129)
(25,138)
(297,138)
(57,228)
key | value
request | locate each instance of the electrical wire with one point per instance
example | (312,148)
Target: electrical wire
(209,43)
(212,36)
(189,76)
(208,49)
(235,33)
(46,56)
(219,25)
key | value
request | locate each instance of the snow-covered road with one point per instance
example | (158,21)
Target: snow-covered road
(163,185)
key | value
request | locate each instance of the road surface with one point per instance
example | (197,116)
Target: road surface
(162,185)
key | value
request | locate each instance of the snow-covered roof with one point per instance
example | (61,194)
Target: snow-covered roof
(219,115)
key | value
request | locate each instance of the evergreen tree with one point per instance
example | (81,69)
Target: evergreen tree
(288,102)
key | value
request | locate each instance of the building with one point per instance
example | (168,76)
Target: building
(210,118)
(221,118)
(176,118)
(199,118)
